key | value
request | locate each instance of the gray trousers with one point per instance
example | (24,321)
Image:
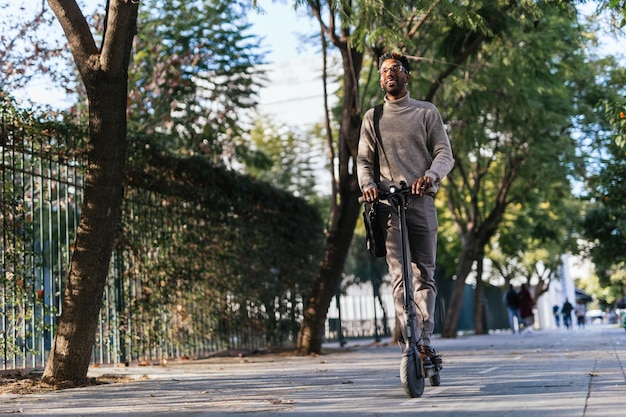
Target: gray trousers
(422,225)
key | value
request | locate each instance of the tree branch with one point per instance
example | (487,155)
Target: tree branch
(121,18)
(77,33)
(420,22)
(467,52)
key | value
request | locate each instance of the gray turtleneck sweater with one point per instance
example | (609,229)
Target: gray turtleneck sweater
(414,144)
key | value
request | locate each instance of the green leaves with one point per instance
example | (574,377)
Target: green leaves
(195,75)
(616,116)
(619,6)
(285,158)
(231,225)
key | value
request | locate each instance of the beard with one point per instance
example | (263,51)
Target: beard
(393,86)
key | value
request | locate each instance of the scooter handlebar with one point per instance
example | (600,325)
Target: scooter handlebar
(393,190)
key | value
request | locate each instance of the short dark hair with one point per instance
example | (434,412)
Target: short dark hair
(398,57)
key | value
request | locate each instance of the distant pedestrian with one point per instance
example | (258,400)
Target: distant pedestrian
(566,311)
(579,312)
(511,300)
(557,315)
(526,305)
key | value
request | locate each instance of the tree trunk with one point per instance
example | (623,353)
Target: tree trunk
(472,250)
(475,239)
(343,216)
(338,241)
(105,78)
(466,260)
(479,327)
(76,332)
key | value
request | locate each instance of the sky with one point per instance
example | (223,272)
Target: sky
(608,45)
(294,94)
(281,26)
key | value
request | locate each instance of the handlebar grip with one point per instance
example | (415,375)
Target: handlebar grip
(361,200)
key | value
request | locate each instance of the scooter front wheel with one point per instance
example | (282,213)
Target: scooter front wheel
(411,373)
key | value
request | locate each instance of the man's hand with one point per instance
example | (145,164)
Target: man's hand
(370,194)
(420,185)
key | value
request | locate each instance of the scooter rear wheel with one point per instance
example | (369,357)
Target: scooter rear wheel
(435,380)
(411,374)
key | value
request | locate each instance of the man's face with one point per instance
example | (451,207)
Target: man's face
(393,77)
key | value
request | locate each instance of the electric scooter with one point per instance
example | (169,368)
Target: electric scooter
(413,370)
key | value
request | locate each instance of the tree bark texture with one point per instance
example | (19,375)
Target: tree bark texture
(105,78)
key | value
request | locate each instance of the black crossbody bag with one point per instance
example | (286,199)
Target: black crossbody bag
(374,213)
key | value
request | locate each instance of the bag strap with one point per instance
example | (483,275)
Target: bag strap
(378,112)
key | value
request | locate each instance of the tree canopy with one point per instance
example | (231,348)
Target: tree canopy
(503,75)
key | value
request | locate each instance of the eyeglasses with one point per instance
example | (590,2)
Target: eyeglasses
(396,69)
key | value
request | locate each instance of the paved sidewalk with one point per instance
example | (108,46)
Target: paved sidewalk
(553,373)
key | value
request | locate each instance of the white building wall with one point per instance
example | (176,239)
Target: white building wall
(559,290)
(358,303)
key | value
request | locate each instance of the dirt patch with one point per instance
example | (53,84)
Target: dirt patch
(29,382)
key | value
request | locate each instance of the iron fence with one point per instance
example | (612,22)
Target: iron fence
(164,297)
(41,186)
